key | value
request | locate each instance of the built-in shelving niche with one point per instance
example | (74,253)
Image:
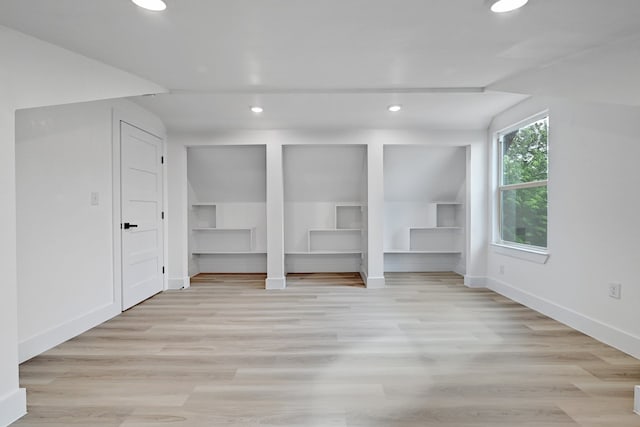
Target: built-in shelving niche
(325,190)
(227,209)
(424,225)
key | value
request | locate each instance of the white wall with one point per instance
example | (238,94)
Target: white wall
(178,266)
(414,178)
(316,179)
(423,173)
(299,217)
(364,192)
(376,139)
(33,74)
(228,174)
(12,398)
(592,224)
(234,178)
(65,249)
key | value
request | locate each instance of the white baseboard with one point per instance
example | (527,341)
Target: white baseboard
(636,404)
(607,334)
(375,282)
(275,283)
(178,283)
(372,282)
(13,406)
(475,281)
(50,338)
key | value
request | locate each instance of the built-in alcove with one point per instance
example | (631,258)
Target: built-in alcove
(325,193)
(227,209)
(424,222)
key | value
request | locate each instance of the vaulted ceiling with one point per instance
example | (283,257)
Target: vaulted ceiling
(340,63)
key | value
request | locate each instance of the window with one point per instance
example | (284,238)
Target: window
(523,160)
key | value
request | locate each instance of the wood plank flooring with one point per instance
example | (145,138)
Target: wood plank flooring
(425,351)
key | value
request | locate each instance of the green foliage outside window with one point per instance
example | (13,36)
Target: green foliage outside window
(524,209)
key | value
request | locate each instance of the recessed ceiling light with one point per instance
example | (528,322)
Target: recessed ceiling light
(501,6)
(155,5)
(394,108)
(257,110)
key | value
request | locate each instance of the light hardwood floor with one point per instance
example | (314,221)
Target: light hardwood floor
(325,352)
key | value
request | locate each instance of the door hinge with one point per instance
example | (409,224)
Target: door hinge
(163,269)
(162,160)
(162,215)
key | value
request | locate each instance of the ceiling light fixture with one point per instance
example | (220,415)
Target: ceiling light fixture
(394,108)
(501,6)
(257,110)
(154,5)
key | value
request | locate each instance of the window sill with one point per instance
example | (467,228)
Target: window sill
(532,255)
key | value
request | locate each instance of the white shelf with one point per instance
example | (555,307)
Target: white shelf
(228,253)
(224,240)
(204,215)
(325,253)
(251,229)
(448,214)
(196,204)
(434,239)
(435,228)
(343,240)
(401,251)
(334,230)
(348,216)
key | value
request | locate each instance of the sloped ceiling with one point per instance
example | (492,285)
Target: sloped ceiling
(419,173)
(37,73)
(608,73)
(333,173)
(228,174)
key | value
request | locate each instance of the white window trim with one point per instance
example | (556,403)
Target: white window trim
(527,253)
(516,250)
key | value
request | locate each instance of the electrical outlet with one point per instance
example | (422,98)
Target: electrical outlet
(615,290)
(501,269)
(95,199)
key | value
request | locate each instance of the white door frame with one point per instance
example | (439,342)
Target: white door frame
(117,117)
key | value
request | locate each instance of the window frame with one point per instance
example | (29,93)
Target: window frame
(501,187)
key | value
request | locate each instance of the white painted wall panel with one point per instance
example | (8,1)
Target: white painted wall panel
(177,212)
(423,173)
(323,173)
(228,174)
(63,241)
(65,244)
(593,237)
(35,73)
(300,217)
(10,408)
(315,140)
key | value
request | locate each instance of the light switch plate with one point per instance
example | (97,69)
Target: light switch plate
(95,198)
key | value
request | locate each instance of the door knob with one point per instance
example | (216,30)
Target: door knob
(128,226)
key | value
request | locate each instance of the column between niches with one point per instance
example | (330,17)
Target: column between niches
(375,220)
(275,218)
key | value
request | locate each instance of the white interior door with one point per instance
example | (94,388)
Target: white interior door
(142,232)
